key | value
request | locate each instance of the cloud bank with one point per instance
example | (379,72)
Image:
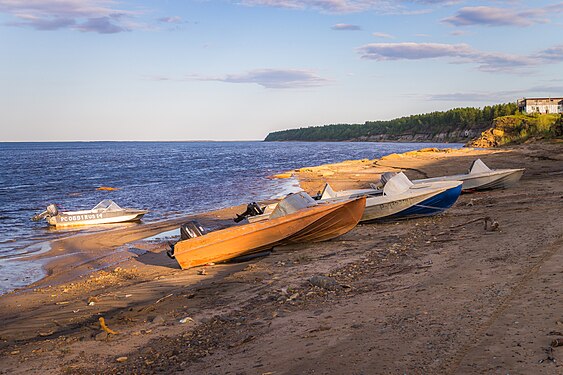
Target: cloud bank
(268,78)
(494,16)
(273,78)
(458,53)
(496,96)
(349,6)
(99,16)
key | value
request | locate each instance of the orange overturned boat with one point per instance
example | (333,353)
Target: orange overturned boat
(296,218)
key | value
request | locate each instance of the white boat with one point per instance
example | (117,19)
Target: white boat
(105,212)
(481,177)
(401,199)
(328,193)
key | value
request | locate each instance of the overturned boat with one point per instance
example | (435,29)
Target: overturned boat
(105,212)
(481,177)
(296,218)
(401,199)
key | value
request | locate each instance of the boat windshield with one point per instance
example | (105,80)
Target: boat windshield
(397,184)
(478,167)
(293,203)
(107,205)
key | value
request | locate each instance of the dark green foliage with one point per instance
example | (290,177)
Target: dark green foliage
(429,123)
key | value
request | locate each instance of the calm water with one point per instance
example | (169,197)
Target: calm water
(167,178)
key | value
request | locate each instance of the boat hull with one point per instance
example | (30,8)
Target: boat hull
(95,218)
(495,179)
(429,203)
(430,206)
(316,223)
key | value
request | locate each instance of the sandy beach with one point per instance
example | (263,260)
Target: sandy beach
(438,295)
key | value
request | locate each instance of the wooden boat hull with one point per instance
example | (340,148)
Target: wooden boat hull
(318,223)
(94,218)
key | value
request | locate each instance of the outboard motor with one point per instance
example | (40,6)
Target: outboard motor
(191,229)
(386,177)
(51,211)
(188,230)
(251,210)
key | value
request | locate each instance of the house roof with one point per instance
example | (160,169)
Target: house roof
(540,101)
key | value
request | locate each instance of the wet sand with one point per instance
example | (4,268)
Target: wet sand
(438,295)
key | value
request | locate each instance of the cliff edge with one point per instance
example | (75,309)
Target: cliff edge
(520,128)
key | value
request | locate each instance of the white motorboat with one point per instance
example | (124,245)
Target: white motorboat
(105,212)
(401,199)
(481,177)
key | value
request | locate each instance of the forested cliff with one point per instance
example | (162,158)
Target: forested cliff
(455,125)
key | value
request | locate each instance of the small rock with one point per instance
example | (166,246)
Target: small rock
(557,342)
(158,319)
(92,299)
(121,359)
(186,320)
(293,296)
(324,282)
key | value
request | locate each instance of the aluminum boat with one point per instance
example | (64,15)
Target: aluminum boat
(481,177)
(105,212)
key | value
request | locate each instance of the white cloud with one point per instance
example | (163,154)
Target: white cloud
(412,51)
(345,27)
(382,35)
(268,78)
(171,19)
(554,54)
(495,16)
(101,16)
(457,53)
(273,78)
(497,96)
(349,6)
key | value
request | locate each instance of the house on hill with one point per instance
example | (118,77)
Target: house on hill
(540,105)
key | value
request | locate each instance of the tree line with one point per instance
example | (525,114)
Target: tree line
(428,123)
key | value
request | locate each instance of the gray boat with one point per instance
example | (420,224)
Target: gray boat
(400,198)
(105,212)
(481,177)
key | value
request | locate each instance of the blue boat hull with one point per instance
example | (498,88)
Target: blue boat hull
(431,206)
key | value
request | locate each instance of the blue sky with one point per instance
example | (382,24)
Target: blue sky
(236,70)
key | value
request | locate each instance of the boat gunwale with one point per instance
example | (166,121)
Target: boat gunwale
(469,176)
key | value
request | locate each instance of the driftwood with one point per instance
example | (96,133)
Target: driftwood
(486,219)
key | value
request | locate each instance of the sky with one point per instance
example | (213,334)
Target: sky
(87,70)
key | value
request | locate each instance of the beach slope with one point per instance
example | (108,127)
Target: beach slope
(450,294)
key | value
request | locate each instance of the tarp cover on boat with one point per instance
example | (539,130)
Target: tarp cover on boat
(478,167)
(397,184)
(107,205)
(293,203)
